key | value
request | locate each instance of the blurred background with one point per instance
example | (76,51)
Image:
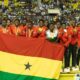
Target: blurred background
(51,10)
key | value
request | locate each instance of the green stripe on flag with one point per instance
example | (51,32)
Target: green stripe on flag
(10,76)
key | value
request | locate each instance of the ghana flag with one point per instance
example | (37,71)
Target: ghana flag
(29,59)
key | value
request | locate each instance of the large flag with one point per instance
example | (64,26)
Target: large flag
(24,58)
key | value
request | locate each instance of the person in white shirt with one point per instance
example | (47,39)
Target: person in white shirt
(52,32)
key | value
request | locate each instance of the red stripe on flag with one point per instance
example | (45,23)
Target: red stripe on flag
(31,47)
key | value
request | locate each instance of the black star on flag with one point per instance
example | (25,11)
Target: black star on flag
(28,66)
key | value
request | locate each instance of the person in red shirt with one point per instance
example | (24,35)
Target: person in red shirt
(73,45)
(22,28)
(9,24)
(3,27)
(13,28)
(31,31)
(41,30)
(65,39)
(72,34)
(78,43)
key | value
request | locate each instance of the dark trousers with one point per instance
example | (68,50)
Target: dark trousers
(78,56)
(67,58)
(70,50)
(73,50)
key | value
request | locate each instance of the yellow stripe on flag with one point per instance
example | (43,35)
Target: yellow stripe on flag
(41,67)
